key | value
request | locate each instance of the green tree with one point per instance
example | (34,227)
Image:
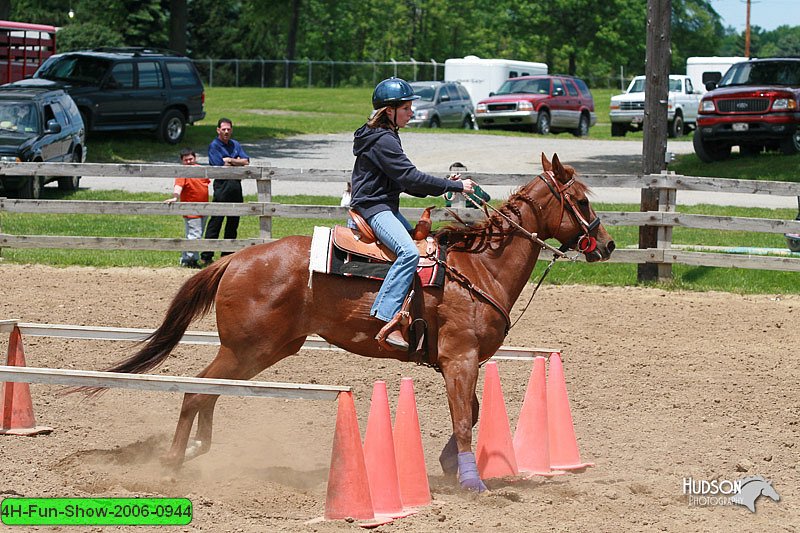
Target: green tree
(87,35)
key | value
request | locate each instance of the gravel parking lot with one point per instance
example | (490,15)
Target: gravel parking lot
(434,152)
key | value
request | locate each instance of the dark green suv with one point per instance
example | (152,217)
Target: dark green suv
(121,89)
(38,124)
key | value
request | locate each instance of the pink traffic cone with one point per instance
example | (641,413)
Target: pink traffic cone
(495,450)
(348,487)
(412,474)
(531,439)
(563,445)
(17,416)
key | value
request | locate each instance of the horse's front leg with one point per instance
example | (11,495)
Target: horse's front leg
(461,379)
(448,459)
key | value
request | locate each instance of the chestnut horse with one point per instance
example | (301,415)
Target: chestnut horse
(266,307)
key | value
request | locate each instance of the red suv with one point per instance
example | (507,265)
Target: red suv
(756,106)
(545,104)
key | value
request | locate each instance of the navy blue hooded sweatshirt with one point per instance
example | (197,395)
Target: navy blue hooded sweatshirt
(382,171)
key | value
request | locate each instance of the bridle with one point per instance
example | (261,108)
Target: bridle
(584,243)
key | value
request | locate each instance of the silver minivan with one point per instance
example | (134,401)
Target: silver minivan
(442,104)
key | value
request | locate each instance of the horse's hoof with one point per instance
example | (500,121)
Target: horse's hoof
(448,459)
(194,448)
(473,484)
(468,476)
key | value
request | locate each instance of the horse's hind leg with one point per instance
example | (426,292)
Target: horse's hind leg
(226,366)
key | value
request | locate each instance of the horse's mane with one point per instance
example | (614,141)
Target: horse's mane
(478,237)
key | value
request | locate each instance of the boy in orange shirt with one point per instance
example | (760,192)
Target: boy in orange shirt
(190,190)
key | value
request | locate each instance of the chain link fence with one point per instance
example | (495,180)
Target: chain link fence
(311,73)
(314,73)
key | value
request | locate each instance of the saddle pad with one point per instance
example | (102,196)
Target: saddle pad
(329,259)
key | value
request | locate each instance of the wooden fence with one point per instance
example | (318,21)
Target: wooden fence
(665,218)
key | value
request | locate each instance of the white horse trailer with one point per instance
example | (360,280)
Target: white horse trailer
(482,76)
(702,70)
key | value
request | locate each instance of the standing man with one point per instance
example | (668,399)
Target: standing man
(224,152)
(190,190)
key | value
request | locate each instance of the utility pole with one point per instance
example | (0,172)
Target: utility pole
(654,149)
(747,32)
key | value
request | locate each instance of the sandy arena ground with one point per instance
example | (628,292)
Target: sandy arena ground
(663,386)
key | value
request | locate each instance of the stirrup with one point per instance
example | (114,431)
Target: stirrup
(394,328)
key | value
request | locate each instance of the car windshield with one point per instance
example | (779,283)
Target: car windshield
(515,86)
(763,73)
(637,86)
(73,69)
(425,92)
(19,117)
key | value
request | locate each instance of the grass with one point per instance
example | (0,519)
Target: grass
(685,277)
(277,113)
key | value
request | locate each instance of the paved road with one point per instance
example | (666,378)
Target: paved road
(434,152)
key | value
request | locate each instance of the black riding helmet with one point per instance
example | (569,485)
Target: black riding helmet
(392,92)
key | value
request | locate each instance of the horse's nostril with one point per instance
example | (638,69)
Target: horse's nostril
(611,246)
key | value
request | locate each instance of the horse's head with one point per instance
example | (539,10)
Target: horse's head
(575,224)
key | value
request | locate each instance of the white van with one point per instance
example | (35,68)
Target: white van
(482,76)
(701,70)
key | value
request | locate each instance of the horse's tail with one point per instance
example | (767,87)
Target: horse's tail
(194,299)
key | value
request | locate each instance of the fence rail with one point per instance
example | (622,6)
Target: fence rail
(665,219)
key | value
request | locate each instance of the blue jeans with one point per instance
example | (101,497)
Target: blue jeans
(392,230)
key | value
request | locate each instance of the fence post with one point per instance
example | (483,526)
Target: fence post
(262,73)
(435,64)
(236,63)
(332,77)
(667,198)
(264,190)
(414,63)
(394,63)
(210,72)
(285,73)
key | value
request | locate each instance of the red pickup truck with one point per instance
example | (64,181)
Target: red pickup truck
(756,106)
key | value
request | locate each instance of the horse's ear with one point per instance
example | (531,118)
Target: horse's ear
(546,166)
(558,170)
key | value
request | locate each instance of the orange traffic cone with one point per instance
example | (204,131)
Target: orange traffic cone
(17,416)
(379,456)
(495,451)
(414,488)
(563,445)
(531,440)
(348,488)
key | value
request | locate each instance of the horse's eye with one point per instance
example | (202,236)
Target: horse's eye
(584,202)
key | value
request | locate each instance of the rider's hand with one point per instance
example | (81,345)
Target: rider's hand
(469,185)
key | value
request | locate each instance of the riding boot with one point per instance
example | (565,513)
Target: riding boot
(394,335)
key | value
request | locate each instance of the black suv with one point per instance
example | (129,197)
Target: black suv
(120,89)
(39,124)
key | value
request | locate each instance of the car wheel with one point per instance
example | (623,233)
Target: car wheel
(676,126)
(173,126)
(434,122)
(708,151)
(583,127)
(791,145)
(468,123)
(31,189)
(618,130)
(86,121)
(543,123)
(70,183)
